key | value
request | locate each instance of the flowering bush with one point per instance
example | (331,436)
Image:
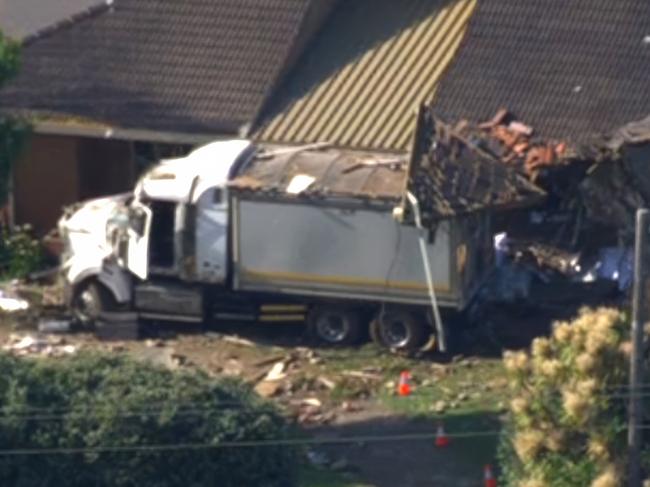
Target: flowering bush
(567,414)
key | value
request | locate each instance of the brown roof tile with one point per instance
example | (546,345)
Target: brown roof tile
(568,68)
(168,65)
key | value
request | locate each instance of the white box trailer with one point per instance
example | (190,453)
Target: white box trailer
(338,239)
(234,232)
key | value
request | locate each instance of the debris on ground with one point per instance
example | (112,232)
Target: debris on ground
(363,375)
(151,343)
(235,340)
(54,326)
(269,360)
(268,388)
(277,372)
(10,302)
(311,401)
(340,465)
(439,407)
(318,458)
(164,356)
(47,346)
(326,383)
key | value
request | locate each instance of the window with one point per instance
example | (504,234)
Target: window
(217,197)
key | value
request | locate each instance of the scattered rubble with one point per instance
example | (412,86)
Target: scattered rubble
(326,383)
(363,375)
(268,388)
(235,340)
(318,458)
(154,343)
(10,302)
(440,407)
(47,346)
(351,407)
(340,465)
(54,326)
(277,372)
(311,401)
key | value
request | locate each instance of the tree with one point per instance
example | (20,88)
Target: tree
(13,131)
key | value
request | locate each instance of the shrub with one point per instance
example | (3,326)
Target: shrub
(20,254)
(566,427)
(107,401)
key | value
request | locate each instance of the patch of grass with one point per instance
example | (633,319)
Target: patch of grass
(313,477)
(368,355)
(473,394)
(477,386)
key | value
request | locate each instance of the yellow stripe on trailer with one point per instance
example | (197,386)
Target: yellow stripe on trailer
(281,318)
(283,308)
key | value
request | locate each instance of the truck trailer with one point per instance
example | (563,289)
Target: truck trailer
(235,232)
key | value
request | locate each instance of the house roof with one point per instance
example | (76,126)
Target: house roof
(183,66)
(568,68)
(366,73)
(22,18)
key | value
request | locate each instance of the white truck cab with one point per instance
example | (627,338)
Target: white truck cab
(173,225)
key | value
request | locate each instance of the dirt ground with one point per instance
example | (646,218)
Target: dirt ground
(336,393)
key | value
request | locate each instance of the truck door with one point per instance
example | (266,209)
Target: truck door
(137,260)
(212,235)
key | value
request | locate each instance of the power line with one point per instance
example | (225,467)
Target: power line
(254,443)
(132,414)
(246,444)
(194,409)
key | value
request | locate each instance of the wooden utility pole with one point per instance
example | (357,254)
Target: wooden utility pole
(634,434)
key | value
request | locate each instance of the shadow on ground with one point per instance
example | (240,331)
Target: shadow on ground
(413,462)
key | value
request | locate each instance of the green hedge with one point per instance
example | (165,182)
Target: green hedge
(93,401)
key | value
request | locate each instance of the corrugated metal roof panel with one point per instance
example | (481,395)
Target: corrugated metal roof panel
(372,65)
(335,173)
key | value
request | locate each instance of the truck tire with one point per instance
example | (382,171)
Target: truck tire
(89,301)
(399,330)
(335,325)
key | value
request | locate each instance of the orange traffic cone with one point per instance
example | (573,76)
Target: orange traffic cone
(404,385)
(490,481)
(442,440)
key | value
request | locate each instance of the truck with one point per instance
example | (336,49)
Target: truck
(316,235)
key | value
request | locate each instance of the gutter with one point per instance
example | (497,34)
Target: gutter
(106,132)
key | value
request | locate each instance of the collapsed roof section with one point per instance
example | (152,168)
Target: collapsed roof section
(454,171)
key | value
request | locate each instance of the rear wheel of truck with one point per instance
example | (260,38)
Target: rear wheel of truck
(334,325)
(399,330)
(90,300)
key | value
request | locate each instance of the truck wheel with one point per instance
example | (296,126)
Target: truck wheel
(90,300)
(399,330)
(335,325)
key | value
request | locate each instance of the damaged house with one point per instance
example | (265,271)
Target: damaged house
(572,78)
(121,77)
